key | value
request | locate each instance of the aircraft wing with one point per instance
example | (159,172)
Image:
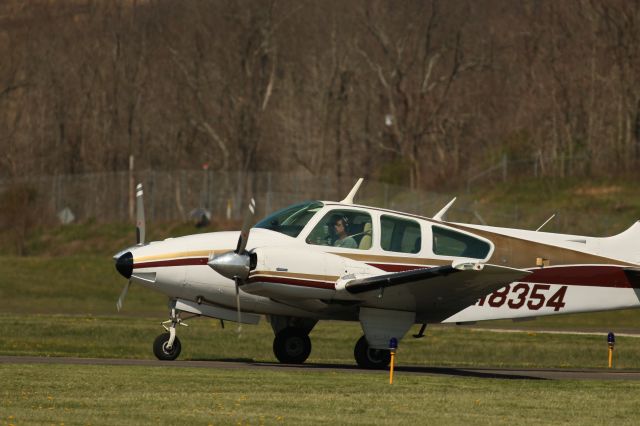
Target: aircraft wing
(434,293)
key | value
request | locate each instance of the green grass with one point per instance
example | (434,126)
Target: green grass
(65,306)
(80,284)
(44,394)
(60,301)
(333,342)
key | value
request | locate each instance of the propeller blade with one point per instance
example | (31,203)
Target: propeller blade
(140,221)
(246,227)
(238,305)
(123,294)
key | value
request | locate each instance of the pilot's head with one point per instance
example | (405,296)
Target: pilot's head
(341,225)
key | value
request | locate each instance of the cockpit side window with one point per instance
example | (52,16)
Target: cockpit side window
(343,228)
(447,242)
(291,220)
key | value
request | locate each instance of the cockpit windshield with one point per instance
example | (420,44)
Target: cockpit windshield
(292,219)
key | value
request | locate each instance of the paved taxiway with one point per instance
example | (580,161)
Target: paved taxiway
(490,373)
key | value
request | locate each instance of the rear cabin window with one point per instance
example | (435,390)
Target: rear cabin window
(343,228)
(451,243)
(400,235)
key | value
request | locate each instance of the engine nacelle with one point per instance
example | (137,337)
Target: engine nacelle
(286,273)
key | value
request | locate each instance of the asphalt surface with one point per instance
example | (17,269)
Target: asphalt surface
(488,373)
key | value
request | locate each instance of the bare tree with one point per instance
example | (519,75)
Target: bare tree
(416,63)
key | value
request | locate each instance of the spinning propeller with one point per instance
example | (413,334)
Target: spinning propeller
(235,265)
(124,259)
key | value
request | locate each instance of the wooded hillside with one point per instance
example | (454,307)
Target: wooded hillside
(407,92)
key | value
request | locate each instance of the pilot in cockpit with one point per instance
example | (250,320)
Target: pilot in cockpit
(341,228)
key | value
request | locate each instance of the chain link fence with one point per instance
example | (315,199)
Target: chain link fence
(179,195)
(188,194)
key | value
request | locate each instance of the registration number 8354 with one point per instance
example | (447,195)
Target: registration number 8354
(523,295)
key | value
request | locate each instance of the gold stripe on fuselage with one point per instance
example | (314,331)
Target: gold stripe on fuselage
(518,252)
(181,254)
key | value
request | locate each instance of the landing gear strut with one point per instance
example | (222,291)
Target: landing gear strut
(167,346)
(370,358)
(292,345)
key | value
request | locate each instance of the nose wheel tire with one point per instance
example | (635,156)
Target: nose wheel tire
(369,358)
(292,346)
(161,351)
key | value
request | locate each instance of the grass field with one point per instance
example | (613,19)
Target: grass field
(106,395)
(132,337)
(64,306)
(60,301)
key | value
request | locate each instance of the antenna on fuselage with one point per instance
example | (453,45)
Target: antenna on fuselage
(545,222)
(443,211)
(349,198)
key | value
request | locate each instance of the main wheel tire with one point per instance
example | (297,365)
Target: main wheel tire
(160,348)
(372,359)
(292,346)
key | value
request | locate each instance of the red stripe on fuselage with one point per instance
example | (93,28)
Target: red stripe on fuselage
(291,281)
(579,275)
(588,275)
(172,262)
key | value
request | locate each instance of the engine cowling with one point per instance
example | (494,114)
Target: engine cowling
(286,273)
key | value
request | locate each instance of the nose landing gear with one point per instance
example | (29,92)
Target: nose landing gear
(167,346)
(163,350)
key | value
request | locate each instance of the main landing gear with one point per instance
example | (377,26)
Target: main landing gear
(291,344)
(167,346)
(370,358)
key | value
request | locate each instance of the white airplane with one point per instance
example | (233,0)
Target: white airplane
(323,260)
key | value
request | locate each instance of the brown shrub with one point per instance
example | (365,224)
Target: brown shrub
(19,215)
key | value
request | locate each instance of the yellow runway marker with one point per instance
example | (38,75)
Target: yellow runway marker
(393,345)
(611,341)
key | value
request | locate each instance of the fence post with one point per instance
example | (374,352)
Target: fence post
(504,167)
(386,195)
(152,195)
(268,201)
(132,184)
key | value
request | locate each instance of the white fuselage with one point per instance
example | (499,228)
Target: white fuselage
(294,277)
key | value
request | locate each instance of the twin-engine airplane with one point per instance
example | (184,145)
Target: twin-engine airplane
(322,260)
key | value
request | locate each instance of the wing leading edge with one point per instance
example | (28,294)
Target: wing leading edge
(434,293)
